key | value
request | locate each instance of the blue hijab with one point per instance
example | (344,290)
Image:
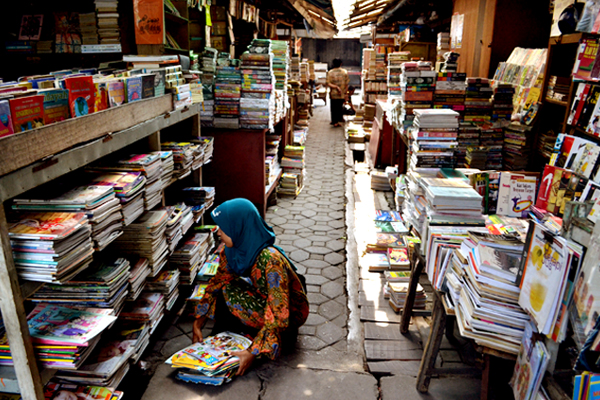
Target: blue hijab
(239,219)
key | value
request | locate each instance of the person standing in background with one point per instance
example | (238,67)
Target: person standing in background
(337,81)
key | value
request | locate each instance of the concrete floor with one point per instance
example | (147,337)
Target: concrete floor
(321,230)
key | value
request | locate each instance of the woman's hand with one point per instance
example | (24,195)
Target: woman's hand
(246,359)
(197,329)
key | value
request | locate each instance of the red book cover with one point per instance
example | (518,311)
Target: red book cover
(82,97)
(585,59)
(27,112)
(545,187)
(580,104)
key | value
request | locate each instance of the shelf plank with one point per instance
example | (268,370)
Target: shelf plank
(565,39)
(176,18)
(25,148)
(269,189)
(24,179)
(557,102)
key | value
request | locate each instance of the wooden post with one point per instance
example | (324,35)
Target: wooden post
(15,320)
(196,126)
(432,347)
(154,141)
(417,268)
(485,377)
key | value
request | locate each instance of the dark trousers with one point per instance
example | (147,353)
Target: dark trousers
(337,106)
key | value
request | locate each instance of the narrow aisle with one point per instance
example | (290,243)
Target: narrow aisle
(311,228)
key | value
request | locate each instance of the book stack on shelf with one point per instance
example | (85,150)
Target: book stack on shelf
(54,389)
(397,292)
(210,266)
(281,61)
(272,169)
(179,221)
(105,284)
(256,101)
(227,97)
(295,68)
(452,201)
(129,188)
(468,136)
(476,157)
(108,22)
(51,247)
(304,72)
(88,28)
(433,137)
(200,199)
(558,88)
(355,133)
(517,147)
(148,308)
(183,157)
(449,62)
(545,144)
(99,203)
(292,180)
(167,166)
(418,85)
(146,238)
(190,256)
(137,280)
(450,91)
(478,108)
(414,210)
(443,46)
(167,283)
(502,102)
(380,180)
(492,138)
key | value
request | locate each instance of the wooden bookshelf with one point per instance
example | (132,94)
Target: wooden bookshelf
(51,152)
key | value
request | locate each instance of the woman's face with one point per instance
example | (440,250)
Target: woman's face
(224,238)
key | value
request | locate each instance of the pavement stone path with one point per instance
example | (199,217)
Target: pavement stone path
(311,228)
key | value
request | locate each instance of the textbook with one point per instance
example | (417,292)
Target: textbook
(82,95)
(56,105)
(27,112)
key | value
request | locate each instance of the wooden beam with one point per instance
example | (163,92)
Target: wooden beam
(22,149)
(15,320)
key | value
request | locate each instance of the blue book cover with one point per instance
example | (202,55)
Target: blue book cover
(133,88)
(56,105)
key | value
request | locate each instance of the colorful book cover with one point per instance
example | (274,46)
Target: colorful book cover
(387,215)
(6,124)
(27,112)
(63,324)
(396,226)
(147,86)
(54,390)
(116,92)
(82,96)
(143,307)
(585,58)
(585,160)
(133,88)
(390,240)
(46,225)
(101,96)
(56,105)
(398,257)
(522,195)
(546,187)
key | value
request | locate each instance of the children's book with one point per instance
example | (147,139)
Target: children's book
(82,95)
(390,240)
(101,96)
(46,225)
(133,88)
(398,257)
(531,365)
(116,92)
(395,226)
(54,390)
(61,324)
(387,215)
(27,112)
(376,262)
(56,105)
(6,124)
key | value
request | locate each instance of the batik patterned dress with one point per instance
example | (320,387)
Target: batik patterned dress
(274,301)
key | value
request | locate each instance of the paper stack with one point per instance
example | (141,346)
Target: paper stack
(167,283)
(97,202)
(414,210)
(137,281)
(183,156)
(450,92)
(418,85)
(468,136)
(476,157)
(129,188)
(210,361)
(434,133)
(517,147)
(209,148)
(492,138)
(150,165)
(292,163)
(207,113)
(88,28)
(168,166)
(478,107)
(200,199)
(380,180)
(452,202)
(103,285)
(257,86)
(149,307)
(108,21)
(502,101)
(51,247)
(395,61)
(146,238)
(190,256)
(227,97)
(398,292)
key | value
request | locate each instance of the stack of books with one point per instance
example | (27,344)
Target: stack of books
(104,285)
(183,157)
(129,188)
(88,28)
(292,163)
(53,390)
(207,112)
(137,280)
(502,101)
(517,144)
(198,154)
(397,296)
(257,86)
(395,61)
(167,283)
(272,145)
(51,247)
(281,61)
(209,362)
(468,136)
(492,138)
(168,166)
(355,133)
(228,83)
(149,308)
(450,91)
(210,266)
(200,199)
(434,133)
(97,202)
(380,180)
(418,85)
(173,231)
(108,21)
(189,257)
(150,165)
(478,107)
(414,210)
(209,147)
(146,238)
(476,157)
(452,202)
(530,368)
